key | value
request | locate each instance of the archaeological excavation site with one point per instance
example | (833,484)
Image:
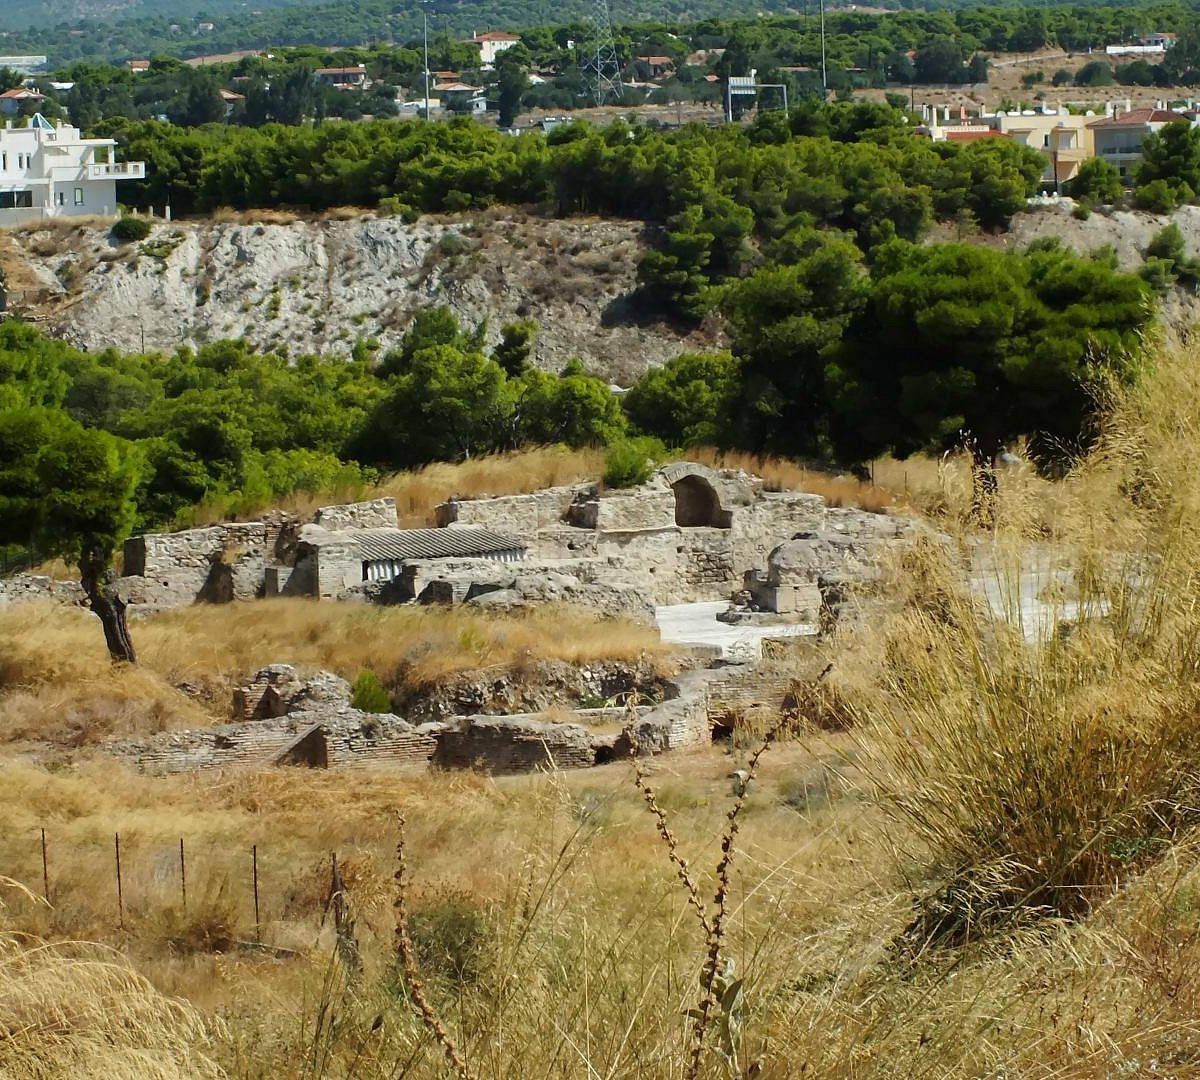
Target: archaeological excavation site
(718,565)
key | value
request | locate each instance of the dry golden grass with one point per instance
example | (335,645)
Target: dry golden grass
(781,474)
(581,943)
(56,684)
(419,491)
(582,953)
(66,225)
(226,216)
(83,1012)
(1046,788)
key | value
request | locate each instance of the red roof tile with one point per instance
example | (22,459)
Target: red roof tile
(1137,117)
(970,135)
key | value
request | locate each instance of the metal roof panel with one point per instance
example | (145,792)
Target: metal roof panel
(448,543)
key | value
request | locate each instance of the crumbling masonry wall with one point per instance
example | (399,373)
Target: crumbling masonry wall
(220,563)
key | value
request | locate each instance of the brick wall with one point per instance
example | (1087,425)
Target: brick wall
(514,745)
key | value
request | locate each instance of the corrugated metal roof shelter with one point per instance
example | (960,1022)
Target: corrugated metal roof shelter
(384,551)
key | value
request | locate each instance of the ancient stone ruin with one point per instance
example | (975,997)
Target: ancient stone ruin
(283,717)
(690,534)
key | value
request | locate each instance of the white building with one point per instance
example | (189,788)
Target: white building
(492,44)
(25,65)
(48,171)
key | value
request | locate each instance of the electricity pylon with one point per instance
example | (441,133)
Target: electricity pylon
(604,66)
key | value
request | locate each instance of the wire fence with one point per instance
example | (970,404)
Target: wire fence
(133,878)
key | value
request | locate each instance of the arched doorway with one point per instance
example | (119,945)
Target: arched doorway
(697,504)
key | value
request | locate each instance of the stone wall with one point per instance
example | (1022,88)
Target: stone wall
(327,564)
(354,740)
(563,542)
(514,744)
(31,588)
(730,526)
(626,511)
(706,566)
(759,528)
(351,740)
(375,514)
(690,534)
(459,579)
(219,564)
(519,516)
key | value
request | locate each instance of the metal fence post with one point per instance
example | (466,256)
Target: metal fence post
(120,891)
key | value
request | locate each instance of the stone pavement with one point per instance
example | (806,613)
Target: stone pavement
(696,625)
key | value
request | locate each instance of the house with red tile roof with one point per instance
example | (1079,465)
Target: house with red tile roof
(659,65)
(492,44)
(12,101)
(343,78)
(1118,138)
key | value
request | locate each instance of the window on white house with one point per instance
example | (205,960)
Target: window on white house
(79,196)
(11,200)
(60,197)
(4,161)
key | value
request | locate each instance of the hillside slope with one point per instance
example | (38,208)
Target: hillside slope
(20,13)
(321,286)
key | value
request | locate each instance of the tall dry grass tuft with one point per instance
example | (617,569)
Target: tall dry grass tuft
(82,1012)
(1037,730)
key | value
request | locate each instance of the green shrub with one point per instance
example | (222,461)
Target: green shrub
(631,461)
(451,244)
(369,695)
(1158,273)
(450,933)
(1158,197)
(392,206)
(129,229)
(1081,212)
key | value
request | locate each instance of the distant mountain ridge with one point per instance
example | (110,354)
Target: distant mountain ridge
(19,14)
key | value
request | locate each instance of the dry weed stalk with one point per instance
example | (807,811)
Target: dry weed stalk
(672,845)
(717,985)
(412,972)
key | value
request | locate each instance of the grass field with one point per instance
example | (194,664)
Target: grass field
(992,873)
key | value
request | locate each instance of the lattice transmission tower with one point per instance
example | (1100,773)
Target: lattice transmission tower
(604,66)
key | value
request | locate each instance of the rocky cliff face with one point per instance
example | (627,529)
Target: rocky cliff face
(322,286)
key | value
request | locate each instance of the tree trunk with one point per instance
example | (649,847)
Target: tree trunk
(97,580)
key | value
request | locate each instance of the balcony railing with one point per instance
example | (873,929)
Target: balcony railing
(118,170)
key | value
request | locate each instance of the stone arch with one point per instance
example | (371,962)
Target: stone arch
(697,504)
(698,497)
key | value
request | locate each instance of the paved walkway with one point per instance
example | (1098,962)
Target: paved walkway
(696,625)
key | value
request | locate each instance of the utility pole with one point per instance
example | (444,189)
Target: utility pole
(824,73)
(425,21)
